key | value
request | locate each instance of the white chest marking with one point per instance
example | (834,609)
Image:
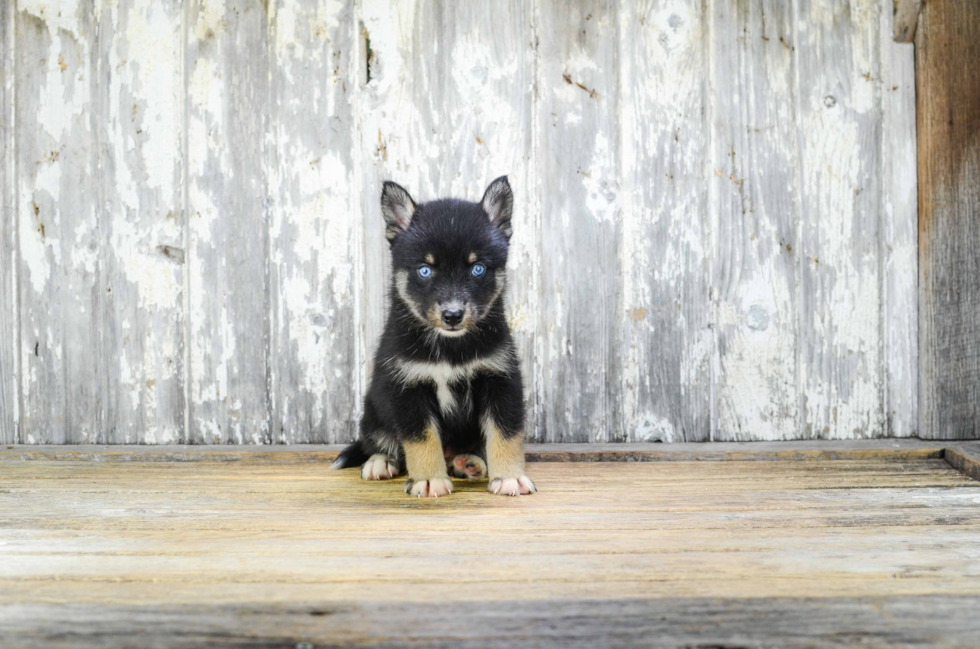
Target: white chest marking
(444,375)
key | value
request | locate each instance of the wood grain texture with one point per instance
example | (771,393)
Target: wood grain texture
(444,107)
(965,458)
(311,185)
(898,234)
(797,451)
(228,254)
(905,19)
(199,541)
(836,48)
(579,180)
(797,622)
(756,201)
(666,344)
(948,118)
(59,223)
(142,258)
(9,308)
(713,231)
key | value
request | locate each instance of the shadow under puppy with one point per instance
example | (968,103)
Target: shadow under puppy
(446,387)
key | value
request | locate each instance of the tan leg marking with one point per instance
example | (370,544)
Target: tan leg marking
(505,461)
(426,465)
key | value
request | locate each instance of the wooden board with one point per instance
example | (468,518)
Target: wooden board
(665,345)
(228,320)
(579,182)
(899,233)
(835,47)
(893,450)
(767,553)
(9,309)
(313,276)
(799,622)
(60,242)
(948,118)
(141,261)
(444,107)
(754,189)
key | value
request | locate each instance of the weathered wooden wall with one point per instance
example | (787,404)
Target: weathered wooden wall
(715,232)
(947,38)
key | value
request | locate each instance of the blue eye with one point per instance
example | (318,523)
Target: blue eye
(425,272)
(479,269)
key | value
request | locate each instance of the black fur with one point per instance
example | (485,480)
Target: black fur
(449,233)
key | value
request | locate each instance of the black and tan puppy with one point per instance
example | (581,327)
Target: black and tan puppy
(446,385)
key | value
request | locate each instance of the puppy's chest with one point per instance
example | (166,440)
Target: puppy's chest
(452,388)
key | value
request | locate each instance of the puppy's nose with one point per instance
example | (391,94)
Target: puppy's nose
(452,317)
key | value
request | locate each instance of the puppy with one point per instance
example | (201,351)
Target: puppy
(446,385)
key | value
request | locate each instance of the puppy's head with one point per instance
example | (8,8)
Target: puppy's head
(448,256)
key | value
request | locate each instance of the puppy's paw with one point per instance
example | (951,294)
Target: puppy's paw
(469,467)
(429,488)
(379,467)
(519,486)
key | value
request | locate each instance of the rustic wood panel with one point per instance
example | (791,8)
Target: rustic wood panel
(128,538)
(59,230)
(313,222)
(9,309)
(836,47)
(794,622)
(756,201)
(228,104)
(578,170)
(714,228)
(898,234)
(142,258)
(444,108)
(948,117)
(664,350)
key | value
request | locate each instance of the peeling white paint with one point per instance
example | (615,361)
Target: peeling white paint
(654,280)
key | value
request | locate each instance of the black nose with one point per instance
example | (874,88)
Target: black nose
(452,317)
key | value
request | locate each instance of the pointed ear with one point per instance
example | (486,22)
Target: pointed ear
(397,207)
(498,203)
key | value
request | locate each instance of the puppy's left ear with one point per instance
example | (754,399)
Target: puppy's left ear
(498,203)
(397,208)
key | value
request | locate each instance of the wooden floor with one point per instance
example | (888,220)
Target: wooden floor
(232,548)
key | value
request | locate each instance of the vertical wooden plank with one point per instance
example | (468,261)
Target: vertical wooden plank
(579,182)
(227,113)
(948,119)
(666,342)
(444,108)
(899,232)
(313,221)
(140,129)
(755,172)
(841,303)
(9,309)
(58,222)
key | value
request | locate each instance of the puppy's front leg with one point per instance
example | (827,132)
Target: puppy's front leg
(426,464)
(505,460)
(502,425)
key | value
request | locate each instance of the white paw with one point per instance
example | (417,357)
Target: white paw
(470,467)
(379,467)
(518,486)
(429,488)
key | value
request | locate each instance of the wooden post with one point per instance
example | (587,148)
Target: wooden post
(948,122)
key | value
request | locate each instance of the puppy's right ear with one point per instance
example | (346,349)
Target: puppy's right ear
(397,207)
